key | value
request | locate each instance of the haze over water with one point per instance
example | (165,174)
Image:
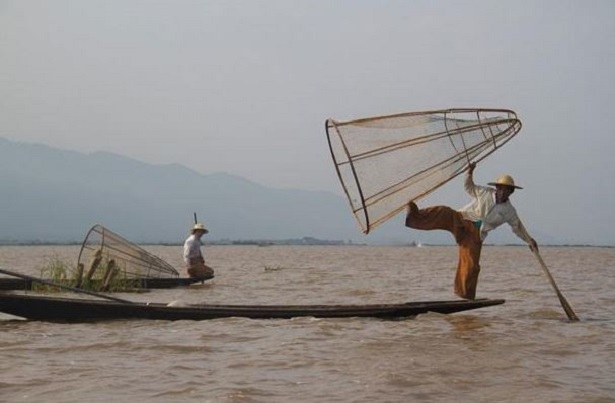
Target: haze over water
(524,350)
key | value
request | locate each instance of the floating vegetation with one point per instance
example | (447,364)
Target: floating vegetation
(275,268)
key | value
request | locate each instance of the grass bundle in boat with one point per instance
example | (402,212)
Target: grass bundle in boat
(56,271)
(107,276)
(102,275)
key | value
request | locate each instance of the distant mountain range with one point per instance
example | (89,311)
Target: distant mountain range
(54,195)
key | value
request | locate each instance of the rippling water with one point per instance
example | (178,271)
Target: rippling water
(522,351)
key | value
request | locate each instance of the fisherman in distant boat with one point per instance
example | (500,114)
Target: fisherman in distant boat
(470,225)
(193,257)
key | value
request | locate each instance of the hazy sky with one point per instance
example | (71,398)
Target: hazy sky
(245,87)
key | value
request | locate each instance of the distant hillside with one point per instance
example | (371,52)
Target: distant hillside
(55,195)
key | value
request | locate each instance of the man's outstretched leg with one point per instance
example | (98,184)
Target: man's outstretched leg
(438,217)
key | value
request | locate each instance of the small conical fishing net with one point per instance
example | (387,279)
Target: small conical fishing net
(383,162)
(105,251)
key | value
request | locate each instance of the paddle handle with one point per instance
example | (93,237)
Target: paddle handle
(567,308)
(195,220)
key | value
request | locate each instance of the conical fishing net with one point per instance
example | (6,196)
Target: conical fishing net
(383,162)
(105,251)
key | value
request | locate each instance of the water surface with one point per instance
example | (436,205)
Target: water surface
(524,350)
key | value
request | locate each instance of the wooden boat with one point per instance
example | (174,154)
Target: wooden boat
(84,310)
(16,284)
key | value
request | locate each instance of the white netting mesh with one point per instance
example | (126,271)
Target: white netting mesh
(383,162)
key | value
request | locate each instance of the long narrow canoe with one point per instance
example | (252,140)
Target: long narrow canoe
(83,310)
(16,284)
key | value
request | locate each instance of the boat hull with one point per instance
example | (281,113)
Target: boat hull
(84,310)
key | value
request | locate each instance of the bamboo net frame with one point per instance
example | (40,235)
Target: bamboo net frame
(383,162)
(102,245)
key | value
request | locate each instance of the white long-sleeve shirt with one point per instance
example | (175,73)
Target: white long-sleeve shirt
(491,214)
(192,248)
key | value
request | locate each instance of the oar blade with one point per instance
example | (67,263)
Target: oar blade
(567,308)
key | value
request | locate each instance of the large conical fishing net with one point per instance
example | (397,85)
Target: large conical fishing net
(107,254)
(383,162)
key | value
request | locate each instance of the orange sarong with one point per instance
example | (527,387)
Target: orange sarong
(467,236)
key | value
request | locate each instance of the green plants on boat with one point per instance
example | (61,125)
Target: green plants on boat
(103,275)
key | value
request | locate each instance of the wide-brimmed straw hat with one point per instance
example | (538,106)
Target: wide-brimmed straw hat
(199,227)
(505,180)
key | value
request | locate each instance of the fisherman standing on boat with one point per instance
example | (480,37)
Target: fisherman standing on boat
(489,209)
(193,257)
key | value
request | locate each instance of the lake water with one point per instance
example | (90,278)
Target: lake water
(522,351)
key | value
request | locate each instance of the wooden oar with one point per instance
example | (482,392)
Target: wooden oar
(567,308)
(63,287)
